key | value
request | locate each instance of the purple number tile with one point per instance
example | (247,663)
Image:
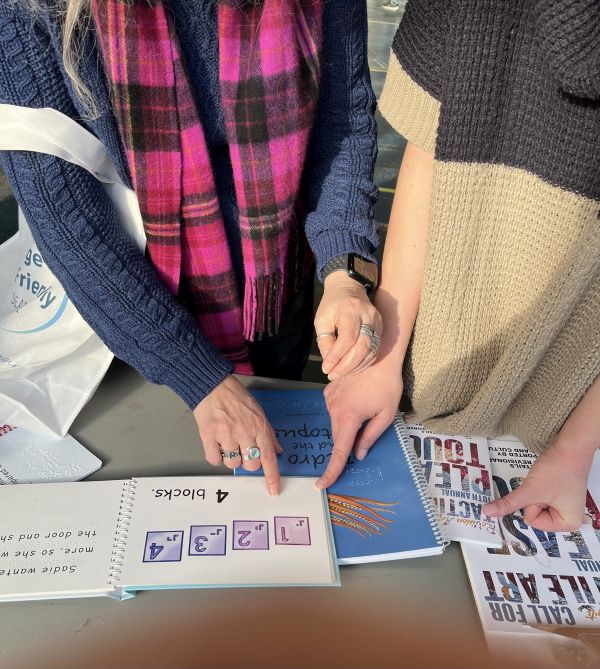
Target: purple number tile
(163,546)
(250,535)
(208,540)
(292,531)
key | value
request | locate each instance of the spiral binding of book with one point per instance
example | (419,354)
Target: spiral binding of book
(416,472)
(121,531)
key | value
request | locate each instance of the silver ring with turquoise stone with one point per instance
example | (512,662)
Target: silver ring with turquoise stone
(252,453)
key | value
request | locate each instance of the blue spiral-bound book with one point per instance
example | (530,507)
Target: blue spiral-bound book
(380,507)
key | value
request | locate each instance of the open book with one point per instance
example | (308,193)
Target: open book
(115,537)
(380,506)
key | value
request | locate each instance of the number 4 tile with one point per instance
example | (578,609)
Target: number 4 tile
(163,546)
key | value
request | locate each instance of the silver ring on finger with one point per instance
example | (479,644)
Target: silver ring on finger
(229,455)
(373,335)
(367,330)
(374,342)
(325,334)
(252,453)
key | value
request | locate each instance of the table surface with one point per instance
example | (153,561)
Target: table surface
(405,613)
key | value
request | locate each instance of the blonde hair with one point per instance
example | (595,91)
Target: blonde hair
(74,16)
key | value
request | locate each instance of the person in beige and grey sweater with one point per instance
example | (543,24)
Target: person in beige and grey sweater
(490,286)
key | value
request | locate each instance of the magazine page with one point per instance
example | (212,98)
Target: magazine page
(535,578)
(457,471)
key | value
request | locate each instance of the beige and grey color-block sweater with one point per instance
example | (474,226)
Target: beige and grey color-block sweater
(507,96)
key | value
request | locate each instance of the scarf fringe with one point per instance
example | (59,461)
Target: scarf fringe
(263,302)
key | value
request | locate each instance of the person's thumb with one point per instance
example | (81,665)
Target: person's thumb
(510,503)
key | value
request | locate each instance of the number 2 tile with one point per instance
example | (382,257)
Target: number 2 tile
(250,535)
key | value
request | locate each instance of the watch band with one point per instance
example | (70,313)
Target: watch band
(335,265)
(347,263)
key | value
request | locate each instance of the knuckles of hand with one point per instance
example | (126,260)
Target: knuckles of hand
(330,398)
(348,416)
(504,506)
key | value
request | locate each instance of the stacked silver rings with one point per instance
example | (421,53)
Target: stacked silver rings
(230,455)
(374,338)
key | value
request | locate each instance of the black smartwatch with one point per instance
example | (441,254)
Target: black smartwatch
(364,271)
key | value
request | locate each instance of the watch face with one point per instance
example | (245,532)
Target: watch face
(365,269)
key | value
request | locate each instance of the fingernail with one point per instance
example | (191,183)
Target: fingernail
(489,509)
(362,453)
(326,367)
(273,490)
(320,484)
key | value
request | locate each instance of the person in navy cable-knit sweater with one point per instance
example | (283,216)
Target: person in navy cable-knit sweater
(118,291)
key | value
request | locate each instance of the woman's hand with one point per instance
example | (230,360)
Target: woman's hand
(372,395)
(344,308)
(235,431)
(553,494)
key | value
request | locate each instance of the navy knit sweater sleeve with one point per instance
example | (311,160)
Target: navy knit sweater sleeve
(341,156)
(74,225)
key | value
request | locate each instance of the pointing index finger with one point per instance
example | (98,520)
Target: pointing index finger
(268,448)
(342,447)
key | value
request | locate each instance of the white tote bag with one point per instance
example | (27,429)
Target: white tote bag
(51,361)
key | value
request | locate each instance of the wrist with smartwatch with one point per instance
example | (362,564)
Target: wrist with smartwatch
(356,267)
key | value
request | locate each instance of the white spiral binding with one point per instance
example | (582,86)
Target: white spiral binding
(416,471)
(117,555)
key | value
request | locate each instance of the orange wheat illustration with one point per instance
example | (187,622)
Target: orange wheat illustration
(360,515)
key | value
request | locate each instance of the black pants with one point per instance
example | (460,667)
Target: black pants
(284,355)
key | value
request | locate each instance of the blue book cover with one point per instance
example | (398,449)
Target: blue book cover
(380,507)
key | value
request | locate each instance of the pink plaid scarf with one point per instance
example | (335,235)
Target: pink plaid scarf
(269,73)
